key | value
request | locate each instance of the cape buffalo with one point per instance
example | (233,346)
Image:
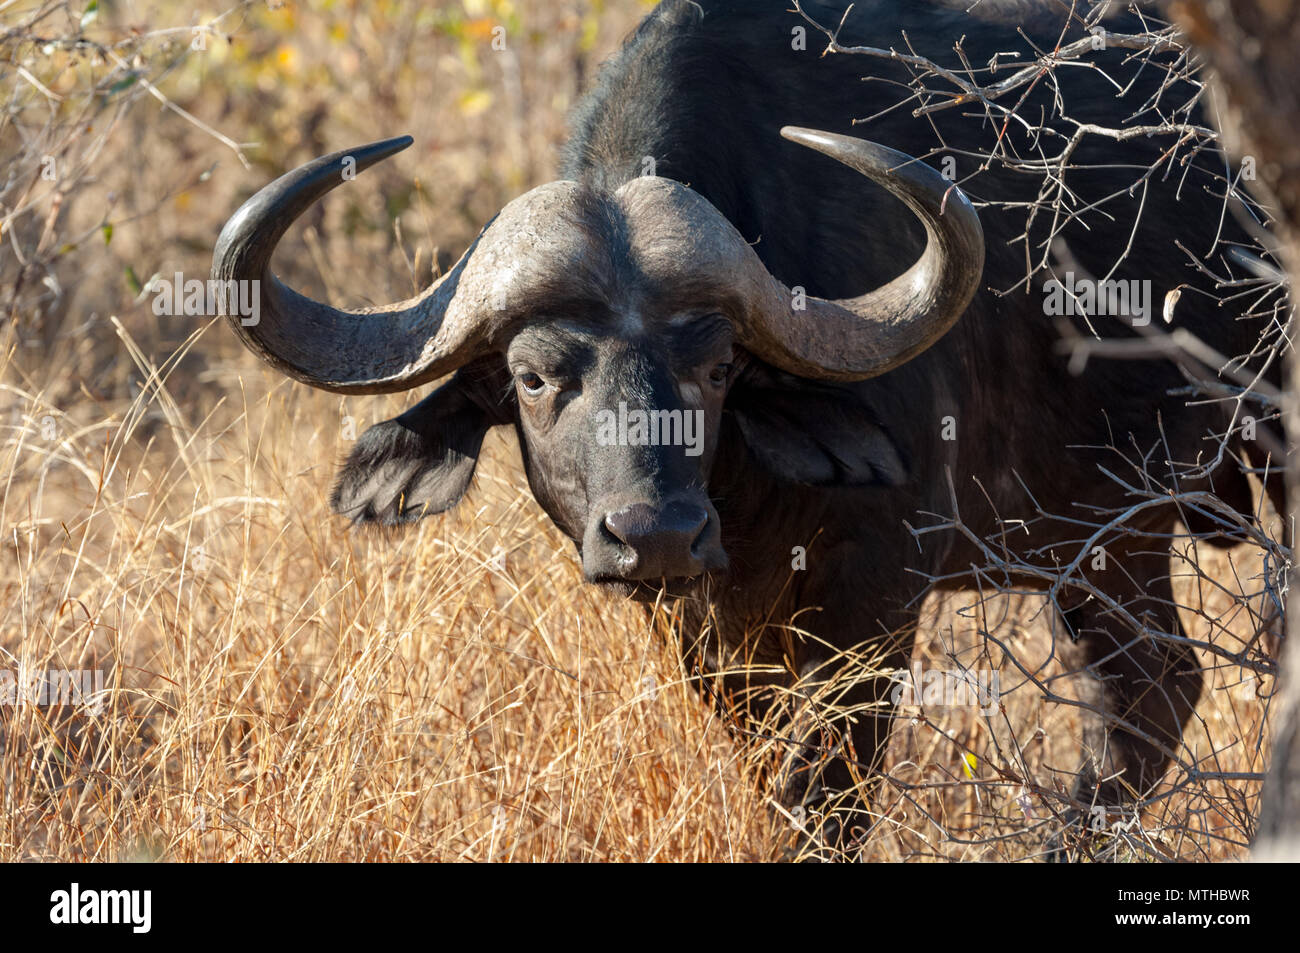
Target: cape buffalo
(856,347)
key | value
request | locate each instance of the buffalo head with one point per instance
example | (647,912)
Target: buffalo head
(609,328)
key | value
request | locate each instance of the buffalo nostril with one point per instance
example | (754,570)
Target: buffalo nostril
(695,530)
(631,524)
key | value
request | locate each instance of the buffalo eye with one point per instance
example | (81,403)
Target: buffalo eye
(720,373)
(532,384)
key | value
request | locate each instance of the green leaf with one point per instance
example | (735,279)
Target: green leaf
(107,229)
(126,81)
(132,281)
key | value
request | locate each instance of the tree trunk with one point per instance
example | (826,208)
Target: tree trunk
(1253,50)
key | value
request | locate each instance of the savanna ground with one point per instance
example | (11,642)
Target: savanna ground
(279,686)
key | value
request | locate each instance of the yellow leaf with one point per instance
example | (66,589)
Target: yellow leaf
(480,29)
(590,33)
(475,102)
(287,57)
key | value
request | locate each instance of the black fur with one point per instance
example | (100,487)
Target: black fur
(421,462)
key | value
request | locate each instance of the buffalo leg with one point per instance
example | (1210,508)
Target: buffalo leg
(823,731)
(1148,686)
(836,736)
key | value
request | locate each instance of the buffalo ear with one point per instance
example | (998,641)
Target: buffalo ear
(421,462)
(814,433)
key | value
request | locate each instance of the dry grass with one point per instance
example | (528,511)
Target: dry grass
(281,687)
